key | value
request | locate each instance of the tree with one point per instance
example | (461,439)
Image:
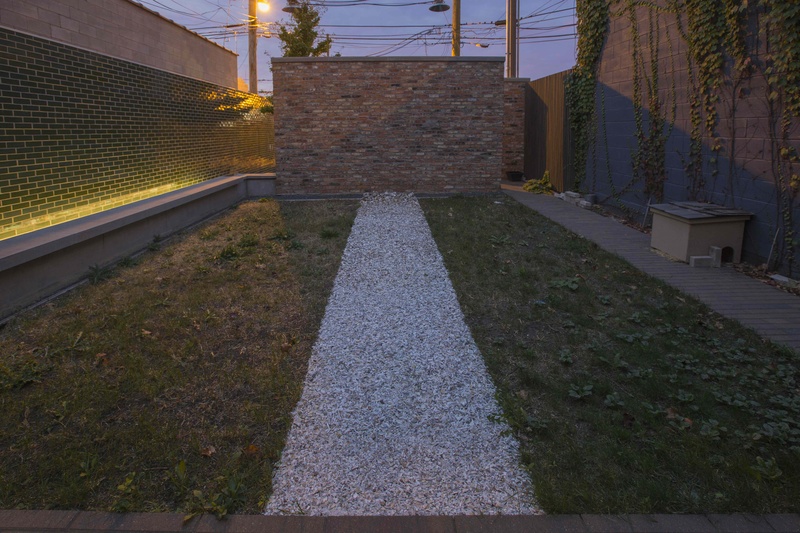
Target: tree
(297,38)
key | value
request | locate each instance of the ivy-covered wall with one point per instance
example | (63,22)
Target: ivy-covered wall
(694,100)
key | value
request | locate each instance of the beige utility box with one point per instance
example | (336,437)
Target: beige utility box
(686,229)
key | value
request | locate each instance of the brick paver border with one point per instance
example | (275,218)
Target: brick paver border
(88,522)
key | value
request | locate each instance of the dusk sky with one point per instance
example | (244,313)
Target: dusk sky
(392,27)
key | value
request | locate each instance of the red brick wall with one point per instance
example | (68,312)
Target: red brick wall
(514,124)
(351,125)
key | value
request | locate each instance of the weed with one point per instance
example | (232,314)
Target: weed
(712,429)
(613,401)
(568,283)
(229,253)
(248,240)
(155,244)
(765,469)
(580,392)
(98,273)
(328,233)
(179,479)
(500,240)
(126,262)
(208,234)
(20,373)
(127,494)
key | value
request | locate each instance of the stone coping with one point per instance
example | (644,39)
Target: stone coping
(88,521)
(392,59)
(30,246)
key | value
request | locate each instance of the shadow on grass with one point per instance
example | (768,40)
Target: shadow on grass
(168,384)
(626,395)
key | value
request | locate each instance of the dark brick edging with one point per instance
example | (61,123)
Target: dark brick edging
(88,521)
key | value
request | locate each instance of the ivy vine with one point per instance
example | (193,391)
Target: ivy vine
(782,73)
(731,47)
(593,18)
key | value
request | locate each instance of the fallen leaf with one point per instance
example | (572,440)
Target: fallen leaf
(208,452)
(672,413)
(628,420)
(101,359)
(522,394)
(252,449)
(285,347)
(145,333)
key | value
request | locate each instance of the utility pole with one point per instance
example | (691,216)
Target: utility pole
(456,28)
(252,47)
(512,42)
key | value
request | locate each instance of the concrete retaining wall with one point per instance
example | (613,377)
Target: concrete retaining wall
(39,264)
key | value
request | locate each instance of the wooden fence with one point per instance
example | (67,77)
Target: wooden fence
(548,142)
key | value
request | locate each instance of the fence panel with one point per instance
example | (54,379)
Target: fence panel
(548,143)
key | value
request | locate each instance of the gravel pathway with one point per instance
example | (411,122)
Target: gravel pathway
(398,415)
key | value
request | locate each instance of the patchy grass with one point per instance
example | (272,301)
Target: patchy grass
(167,384)
(627,396)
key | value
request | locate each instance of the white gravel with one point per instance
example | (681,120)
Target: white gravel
(398,415)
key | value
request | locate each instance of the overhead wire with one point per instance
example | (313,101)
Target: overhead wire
(208,23)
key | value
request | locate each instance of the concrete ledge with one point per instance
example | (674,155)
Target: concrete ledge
(39,264)
(390,59)
(87,521)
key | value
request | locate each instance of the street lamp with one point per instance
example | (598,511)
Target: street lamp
(291,6)
(440,7)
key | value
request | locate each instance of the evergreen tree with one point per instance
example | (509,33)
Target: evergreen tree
(298,38)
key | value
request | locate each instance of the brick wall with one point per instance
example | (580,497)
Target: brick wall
(347,125)
(125,30)
(740,174)
(81,132)
(514,124)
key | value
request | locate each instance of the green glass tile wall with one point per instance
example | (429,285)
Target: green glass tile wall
(81,132)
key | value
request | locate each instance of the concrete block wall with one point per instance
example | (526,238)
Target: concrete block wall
(514,90)
(740,175)
(82,132)
(350,125)
(125,30)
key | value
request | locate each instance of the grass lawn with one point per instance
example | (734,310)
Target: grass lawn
(626,396)
(167,384)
